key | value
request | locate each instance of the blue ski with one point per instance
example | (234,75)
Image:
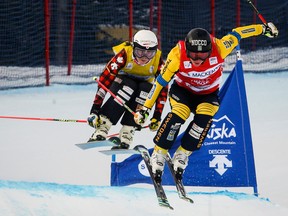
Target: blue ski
(119,151)
(113,141)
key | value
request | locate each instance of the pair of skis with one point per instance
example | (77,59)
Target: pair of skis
(161,195)
(139,149)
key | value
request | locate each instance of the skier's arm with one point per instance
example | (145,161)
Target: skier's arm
(171,66)
(162,97)
(160,102)
(227,43)
(167,72)
(107,77)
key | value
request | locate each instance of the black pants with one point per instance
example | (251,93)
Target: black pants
(170,126)
(132,92)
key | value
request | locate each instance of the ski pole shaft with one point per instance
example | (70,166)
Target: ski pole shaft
(257,12)
(114,96)
(43,119)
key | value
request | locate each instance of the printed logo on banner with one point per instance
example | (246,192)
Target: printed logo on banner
(220,163)
(222,132)
(221,129)
(226,157)
(143,169)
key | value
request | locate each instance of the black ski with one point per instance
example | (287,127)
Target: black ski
(139,149)
(161,195)
(178,181)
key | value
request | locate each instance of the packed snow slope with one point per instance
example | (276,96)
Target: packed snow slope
(39,199)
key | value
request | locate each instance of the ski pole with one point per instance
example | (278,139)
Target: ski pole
(43,119)
(114,96)
(257,12)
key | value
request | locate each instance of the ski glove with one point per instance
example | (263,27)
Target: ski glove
(93,120)
(154,124)
(141,116)
(270,30)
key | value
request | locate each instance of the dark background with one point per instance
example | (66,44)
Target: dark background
(101,24)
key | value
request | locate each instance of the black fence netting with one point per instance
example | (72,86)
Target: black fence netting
(99,25)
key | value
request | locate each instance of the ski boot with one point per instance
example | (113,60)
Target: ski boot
(157,162)
(102,130)
(180,161)
(126,137)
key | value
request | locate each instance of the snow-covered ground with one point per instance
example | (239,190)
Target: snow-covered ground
(21,199)
(42,172)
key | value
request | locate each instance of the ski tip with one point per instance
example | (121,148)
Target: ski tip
(140,147)
(119,151)
(187,199)
(166,205)
(81,146)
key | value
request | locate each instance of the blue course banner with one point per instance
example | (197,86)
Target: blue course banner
(226,157)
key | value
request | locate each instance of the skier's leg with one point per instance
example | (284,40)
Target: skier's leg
(136,102)
(126,136)
(194,135)
(123,87)
(111,111)
(170,127)
(102,130)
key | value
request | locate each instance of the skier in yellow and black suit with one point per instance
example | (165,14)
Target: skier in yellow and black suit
(196,64)
(130,75)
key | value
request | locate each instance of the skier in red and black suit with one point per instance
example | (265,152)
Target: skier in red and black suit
(130,75)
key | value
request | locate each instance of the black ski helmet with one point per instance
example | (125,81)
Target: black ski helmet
(198,40)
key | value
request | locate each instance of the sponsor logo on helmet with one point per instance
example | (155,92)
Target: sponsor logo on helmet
(147,43)
(199,42)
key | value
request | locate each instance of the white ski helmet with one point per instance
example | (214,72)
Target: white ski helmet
(145,39)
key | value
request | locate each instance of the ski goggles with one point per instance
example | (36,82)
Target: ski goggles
(140,53)
(198,55)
